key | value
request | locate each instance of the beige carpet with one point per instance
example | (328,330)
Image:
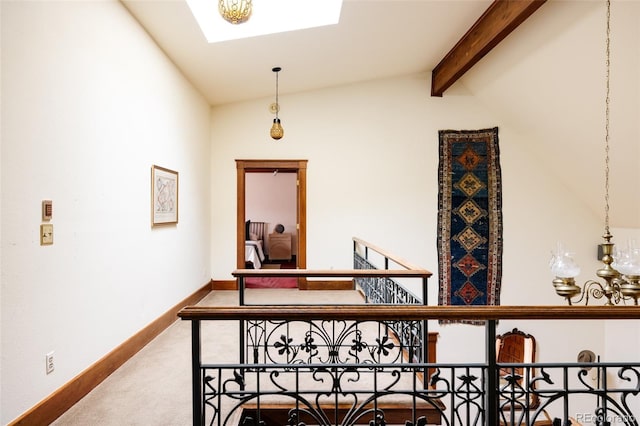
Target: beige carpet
(154,387)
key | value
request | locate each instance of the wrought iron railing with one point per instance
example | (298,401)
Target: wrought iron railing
(367,364)
(411,334)
(387,290)
(338,365)
(384,290)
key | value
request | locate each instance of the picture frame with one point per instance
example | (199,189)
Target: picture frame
(164,196)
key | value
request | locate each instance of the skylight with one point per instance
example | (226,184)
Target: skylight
(268,17)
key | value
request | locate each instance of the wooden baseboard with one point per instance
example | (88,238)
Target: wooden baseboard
(52,407)
(303,284)
(224,285)
(327,285)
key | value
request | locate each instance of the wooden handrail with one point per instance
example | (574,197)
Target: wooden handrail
(388,255)
(336,273)
(407,312)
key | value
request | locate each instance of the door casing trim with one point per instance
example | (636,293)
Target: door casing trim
(253,166)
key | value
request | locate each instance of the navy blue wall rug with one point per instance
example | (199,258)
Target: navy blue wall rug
(469,219)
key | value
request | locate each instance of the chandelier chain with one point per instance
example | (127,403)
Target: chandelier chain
(606,126)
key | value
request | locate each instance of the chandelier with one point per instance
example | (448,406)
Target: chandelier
(235,11)
(621,268)
(276,132)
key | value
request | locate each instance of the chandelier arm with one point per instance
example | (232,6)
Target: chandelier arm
(598,291)
(628,287)
(594,288)
(583,295)
(617,295)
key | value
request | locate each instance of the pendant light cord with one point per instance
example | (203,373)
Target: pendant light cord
(277,104)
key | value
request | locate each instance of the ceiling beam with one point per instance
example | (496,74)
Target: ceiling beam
(496,23)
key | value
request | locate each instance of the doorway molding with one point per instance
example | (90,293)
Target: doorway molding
(260,166)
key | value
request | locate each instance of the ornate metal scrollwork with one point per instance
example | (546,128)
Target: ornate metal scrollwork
(325,342)
(314,392)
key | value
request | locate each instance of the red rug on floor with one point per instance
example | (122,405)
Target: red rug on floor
(271,282)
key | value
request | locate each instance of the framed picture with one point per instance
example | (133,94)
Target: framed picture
(164,196)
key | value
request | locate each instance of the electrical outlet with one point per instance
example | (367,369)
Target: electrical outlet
(49,362)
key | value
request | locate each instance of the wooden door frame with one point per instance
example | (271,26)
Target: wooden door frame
(253,166)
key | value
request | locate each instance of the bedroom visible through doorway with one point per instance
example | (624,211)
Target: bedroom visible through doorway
(289,248)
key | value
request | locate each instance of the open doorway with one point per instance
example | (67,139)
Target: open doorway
(299,229)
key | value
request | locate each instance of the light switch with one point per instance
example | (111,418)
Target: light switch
(47,210)
(46,234)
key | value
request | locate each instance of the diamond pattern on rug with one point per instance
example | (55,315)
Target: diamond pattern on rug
(469,159)
(469,239)
(469,184)
(468,292)
(469,266)
(470,211)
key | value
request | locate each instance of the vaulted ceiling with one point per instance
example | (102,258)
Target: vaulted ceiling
(374,39)
(556,50)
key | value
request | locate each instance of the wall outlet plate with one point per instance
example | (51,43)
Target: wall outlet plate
(50,365)
(46,234)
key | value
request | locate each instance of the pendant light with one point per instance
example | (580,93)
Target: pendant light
(235,11)
(277,132)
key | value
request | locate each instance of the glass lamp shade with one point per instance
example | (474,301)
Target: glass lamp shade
(562,264)
(277,132)
(628,260)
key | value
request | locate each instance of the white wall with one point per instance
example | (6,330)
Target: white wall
(89,103)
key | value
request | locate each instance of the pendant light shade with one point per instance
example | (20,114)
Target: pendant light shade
(235,11)
(277,132)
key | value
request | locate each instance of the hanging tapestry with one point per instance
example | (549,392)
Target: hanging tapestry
(469,218)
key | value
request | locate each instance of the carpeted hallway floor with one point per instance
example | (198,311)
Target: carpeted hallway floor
(154,387)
